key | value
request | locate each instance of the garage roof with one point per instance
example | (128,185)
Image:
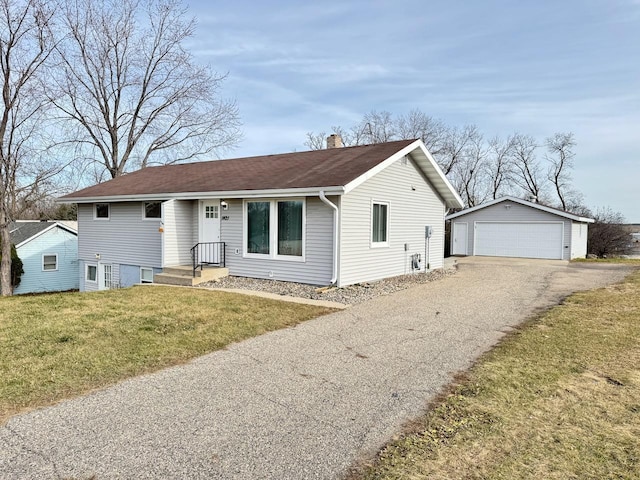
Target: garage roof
(544,208)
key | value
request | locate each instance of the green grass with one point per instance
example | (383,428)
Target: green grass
(558,399)
(628,261)
(59,345)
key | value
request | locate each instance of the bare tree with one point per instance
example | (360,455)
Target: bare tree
(608,236)
(375,127)
(130,90)
(455,142)
(528,172)
(499,166)
(417,124)
(469,173)
(315,141)
(26,42)
(560,157)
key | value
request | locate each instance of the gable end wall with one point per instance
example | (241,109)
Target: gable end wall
(410,210)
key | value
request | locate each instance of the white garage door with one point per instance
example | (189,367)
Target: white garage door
(528,240)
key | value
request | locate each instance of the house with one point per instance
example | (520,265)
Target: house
(49,254)
(336,216)
(512,227)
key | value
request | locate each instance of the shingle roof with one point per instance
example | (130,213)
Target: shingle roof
(24,230)
(21,231)
(318,168)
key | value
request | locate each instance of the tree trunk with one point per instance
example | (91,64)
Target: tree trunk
(5,266)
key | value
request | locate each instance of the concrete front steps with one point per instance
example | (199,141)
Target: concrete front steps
(183,275)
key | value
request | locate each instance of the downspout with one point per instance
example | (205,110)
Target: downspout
(326,201)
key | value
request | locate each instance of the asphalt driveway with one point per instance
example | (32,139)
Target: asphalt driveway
(303,402)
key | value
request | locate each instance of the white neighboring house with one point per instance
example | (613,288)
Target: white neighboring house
(512,227)
(49,254)
(339,216)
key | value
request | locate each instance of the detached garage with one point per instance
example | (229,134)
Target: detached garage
(512,227)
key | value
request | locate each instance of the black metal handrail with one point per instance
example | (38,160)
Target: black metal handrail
(207,253)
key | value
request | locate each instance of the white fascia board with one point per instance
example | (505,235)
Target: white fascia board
(288,192)
(521,202)
(32,237)
(381,166)
(432,168)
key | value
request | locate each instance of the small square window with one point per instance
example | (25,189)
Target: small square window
(152,210)
(50,262)
(211,211)
(91,273)
(102,210)
(146,275)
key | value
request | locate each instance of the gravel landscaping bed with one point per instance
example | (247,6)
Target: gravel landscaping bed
(349,295)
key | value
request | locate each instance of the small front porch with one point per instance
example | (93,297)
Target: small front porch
(184,275)
(208,263)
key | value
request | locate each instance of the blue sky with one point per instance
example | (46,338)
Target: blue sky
(536,67)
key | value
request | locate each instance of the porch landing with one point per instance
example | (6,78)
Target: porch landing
(183,275)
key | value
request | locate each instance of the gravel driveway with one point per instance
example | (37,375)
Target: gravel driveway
(304,402)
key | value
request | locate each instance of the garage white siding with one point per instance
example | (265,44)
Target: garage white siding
(519,239)
(511,227)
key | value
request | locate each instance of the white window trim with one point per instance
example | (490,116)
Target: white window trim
(50,255)
(95,212)
(86,273)
(384,244)
(144,212)
(146,268)
(273,230)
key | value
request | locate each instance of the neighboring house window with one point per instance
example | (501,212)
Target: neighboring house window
(91,273)
(146,275)
(380,223)
(152,210)
(275,228)
(50,262)
(102,211)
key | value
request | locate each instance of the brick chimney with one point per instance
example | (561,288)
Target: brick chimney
(334,141)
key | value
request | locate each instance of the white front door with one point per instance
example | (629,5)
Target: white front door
(210,231)
(459,239)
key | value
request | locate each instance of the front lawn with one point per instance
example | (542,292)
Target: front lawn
(59,345)
(558,399)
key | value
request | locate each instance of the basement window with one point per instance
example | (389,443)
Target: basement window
(146,275)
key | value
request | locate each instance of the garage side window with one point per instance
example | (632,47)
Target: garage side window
(380,224)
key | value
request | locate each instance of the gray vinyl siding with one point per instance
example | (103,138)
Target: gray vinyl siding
(315,270)
(124,238)
(413,204)
(178,218)
(515,213)
(579,239)
(56,241)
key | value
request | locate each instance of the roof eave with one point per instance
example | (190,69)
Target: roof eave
(279,192)
(508,198)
